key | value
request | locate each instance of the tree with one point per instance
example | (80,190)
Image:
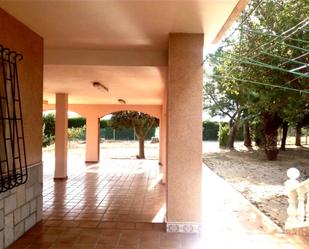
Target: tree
(285,127)
(247,137)
(247,65)
(140,122)
(223,97)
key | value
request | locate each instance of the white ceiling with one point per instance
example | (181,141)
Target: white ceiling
(119,25)
(137,85)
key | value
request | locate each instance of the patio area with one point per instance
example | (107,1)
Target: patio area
(114,193)
(121,204)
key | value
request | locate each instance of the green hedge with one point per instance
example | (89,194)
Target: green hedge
(76,122)
(211,130)
(79,122)
(122,134)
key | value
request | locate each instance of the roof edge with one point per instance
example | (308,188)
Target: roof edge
(240,6)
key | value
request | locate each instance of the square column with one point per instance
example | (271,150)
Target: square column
(92,139)
(184,133)
(163,139)
(61,139)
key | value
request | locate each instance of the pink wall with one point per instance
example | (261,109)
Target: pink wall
(18,37)
(21,39)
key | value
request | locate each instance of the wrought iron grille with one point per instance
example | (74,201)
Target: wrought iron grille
(13,170)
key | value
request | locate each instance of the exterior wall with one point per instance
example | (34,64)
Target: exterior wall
(21,207)
(184,133)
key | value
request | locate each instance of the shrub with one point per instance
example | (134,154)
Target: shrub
(49,124)
(210,131)
(77,122)
(76,133)
(223,134)
(47,139)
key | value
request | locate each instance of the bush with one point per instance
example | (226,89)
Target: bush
(47,139)
(78,122)
(210,131)
(48,129)
(77,133)
(49,124)
(122,134)
(223,134)
(104,123)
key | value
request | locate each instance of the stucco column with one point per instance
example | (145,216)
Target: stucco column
(184,132)
(61,136)
(92,139)
(163,139)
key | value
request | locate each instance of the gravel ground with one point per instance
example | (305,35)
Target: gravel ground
(259,180)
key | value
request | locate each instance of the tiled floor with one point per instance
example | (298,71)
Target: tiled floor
(113,193)
(74,213)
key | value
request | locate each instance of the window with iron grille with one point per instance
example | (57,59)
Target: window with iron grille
(13,170)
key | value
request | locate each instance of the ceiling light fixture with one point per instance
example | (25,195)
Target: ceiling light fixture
(122,101)
(99,86)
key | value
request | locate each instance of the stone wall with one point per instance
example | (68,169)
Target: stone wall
(21,207)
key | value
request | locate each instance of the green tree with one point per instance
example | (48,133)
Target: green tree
(256,63)
(140,122)
(48,129)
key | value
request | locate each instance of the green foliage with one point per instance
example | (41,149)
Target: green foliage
(223,134)
(123,133)
(210,131)
(77,122)
(140,122)
(48,129)
(47,139)
(49,124)
(105,123)
(262,37)
(76,133)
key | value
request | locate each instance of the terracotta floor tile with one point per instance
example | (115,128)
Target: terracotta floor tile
(88,224)
(115,198)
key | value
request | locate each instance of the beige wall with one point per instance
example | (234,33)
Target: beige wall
(21,207)
(184,128)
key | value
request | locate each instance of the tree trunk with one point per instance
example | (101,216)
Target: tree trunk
(233,131)
(298,135)
(232,135)
(285,127)
(247,138)
(141,142)
(271,125)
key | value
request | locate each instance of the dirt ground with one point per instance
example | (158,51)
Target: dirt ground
(259,180)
